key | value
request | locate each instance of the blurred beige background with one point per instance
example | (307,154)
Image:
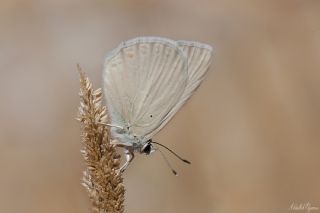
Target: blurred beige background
(252,130)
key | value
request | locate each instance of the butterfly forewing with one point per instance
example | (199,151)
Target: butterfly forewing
(144,79)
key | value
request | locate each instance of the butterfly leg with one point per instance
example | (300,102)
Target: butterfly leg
(129,157)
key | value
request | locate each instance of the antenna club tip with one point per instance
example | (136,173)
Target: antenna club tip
(186,161)
(174,172)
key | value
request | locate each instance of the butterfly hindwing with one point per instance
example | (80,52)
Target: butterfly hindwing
(199,58)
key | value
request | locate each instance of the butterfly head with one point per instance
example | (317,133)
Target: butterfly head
(147,148)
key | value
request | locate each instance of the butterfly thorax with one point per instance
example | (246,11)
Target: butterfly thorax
(127,139)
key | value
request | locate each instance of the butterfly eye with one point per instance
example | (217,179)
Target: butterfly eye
(150,116)
(147,149)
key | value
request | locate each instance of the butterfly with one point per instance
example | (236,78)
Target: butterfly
(146,81)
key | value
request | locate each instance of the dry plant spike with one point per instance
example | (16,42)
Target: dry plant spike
(101,178)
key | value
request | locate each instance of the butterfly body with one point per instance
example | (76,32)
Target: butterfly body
(146,81)
(127,138)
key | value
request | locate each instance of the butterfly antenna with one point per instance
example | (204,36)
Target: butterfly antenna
(184,160)
(169,165)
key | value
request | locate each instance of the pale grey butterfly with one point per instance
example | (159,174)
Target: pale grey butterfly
(146,81)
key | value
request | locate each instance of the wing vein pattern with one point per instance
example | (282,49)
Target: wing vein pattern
(148,79)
